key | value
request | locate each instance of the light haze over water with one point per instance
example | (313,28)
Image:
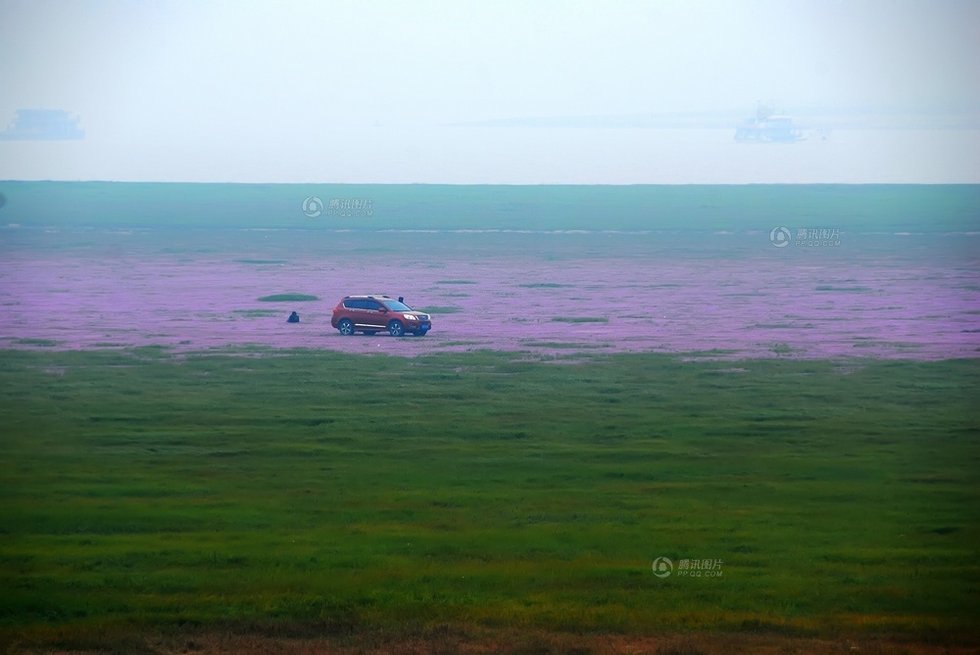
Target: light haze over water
(480,92)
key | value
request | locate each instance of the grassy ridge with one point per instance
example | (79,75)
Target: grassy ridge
(342,492)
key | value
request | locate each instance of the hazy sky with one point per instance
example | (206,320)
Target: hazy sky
(377,91)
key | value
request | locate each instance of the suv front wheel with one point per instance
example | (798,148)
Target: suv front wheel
(396,329)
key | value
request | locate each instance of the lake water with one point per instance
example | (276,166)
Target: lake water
(870,287)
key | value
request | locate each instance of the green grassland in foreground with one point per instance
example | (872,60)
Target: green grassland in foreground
(342,493)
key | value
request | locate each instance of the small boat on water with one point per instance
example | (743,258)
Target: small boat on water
(766,127)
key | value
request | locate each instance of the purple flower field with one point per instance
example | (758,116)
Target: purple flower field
(874,296)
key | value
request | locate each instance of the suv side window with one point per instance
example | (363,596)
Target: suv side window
(353,303)
(373,305)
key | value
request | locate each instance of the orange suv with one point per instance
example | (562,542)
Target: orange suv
(371,314)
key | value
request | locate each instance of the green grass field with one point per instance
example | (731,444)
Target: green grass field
(336,494)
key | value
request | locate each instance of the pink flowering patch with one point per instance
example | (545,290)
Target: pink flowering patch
(764,302)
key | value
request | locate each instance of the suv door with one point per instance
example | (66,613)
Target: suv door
(355,310)
(373,314)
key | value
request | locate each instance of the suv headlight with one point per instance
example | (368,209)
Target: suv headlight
(410,317)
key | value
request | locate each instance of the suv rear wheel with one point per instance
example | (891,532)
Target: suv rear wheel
(346,327)
(396,329)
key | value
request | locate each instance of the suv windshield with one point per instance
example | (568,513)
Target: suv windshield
(396,306)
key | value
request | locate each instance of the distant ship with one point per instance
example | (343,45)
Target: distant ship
(767,127)
(43,125)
